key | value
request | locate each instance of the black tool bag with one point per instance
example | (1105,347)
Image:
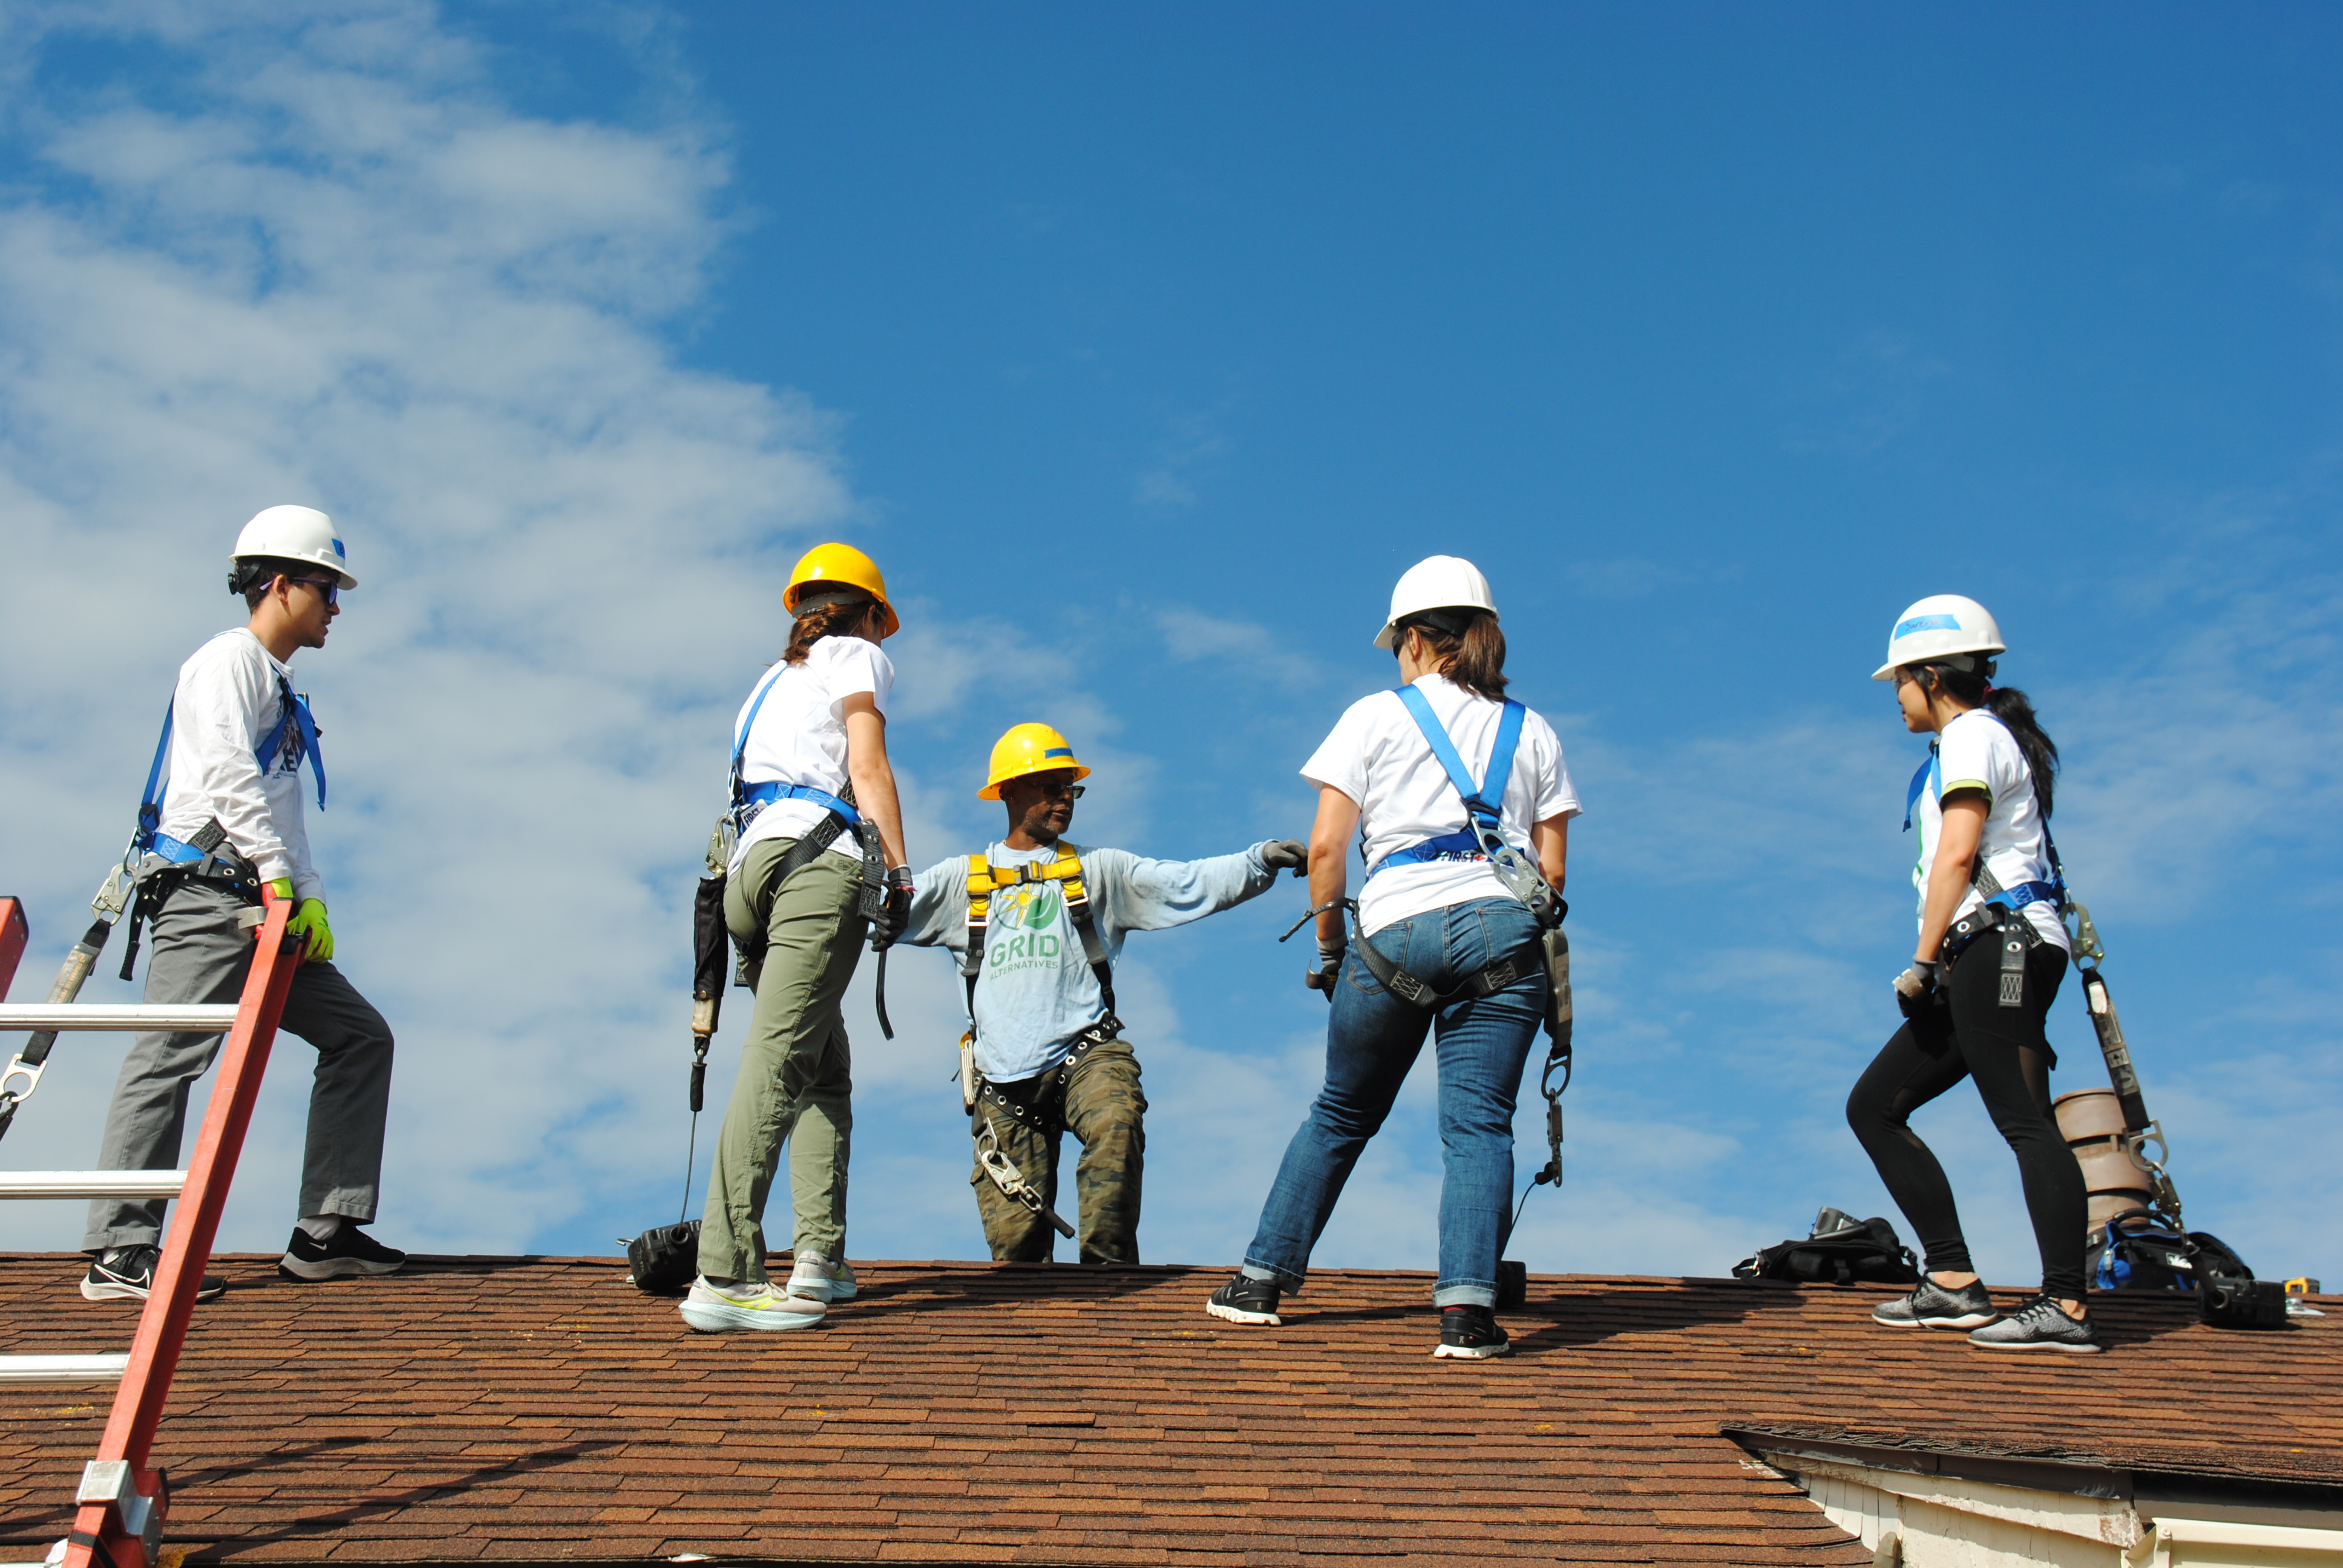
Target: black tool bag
(665,1260)
(2140,1249)
(1841,1250)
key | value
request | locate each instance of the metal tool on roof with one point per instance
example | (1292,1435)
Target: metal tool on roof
(23,1073)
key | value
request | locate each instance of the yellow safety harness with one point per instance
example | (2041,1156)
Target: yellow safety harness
(985,880)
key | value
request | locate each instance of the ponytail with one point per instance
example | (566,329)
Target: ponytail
(1467,647)
(2006,703)
(838,618)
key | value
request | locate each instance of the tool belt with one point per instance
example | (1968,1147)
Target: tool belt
(1042,1106)
(170,865)
(2018,937)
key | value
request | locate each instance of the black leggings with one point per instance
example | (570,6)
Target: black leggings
(2004,1051)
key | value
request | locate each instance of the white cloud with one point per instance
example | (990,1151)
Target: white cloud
(342,271)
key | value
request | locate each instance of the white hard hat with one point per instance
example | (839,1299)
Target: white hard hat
(1435,582)
(295,534)
(1938,626)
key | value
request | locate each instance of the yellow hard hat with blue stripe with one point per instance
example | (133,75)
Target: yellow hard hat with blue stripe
(832,566)
(1028,748)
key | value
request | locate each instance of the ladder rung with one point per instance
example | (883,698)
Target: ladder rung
(61,1016)
(62,1369)
(92,1183)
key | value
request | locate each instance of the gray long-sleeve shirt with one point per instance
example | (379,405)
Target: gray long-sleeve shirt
(1037,993)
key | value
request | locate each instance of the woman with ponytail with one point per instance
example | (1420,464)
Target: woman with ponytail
(1991,953)
(813,793)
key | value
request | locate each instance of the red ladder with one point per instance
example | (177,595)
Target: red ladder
(121,1503)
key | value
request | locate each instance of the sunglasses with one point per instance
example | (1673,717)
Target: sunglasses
(1061,790)
(328,589)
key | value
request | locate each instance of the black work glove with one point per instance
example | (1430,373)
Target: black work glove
(1330,964)
(1280,853)
(895,919)
(1916,988)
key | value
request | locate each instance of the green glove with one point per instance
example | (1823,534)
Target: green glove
(308,924)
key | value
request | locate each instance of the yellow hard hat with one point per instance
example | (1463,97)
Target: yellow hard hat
(1028,748)
(839,565)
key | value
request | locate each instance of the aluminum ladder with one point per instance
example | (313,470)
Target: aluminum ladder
(122,1503)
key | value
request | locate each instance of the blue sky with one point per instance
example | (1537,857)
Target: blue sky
(1144,352)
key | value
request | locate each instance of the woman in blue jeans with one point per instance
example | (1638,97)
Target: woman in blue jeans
(1445,927)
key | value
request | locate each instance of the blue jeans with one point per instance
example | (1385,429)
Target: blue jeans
(1372,1041)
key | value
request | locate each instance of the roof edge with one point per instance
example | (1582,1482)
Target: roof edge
(2077,1477)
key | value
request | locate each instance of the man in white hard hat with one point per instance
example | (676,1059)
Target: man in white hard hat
(223,834)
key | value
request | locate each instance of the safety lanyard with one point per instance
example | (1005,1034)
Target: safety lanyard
(1480,810)
(295,725)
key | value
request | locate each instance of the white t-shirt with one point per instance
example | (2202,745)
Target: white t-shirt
(1379,758)
(1976,751)
(229,699)
(799,736)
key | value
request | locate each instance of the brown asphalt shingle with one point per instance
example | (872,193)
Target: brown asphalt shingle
(541,1409)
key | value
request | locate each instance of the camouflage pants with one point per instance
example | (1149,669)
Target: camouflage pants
(1101,1105)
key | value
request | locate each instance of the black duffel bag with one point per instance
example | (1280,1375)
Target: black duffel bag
(663,1262)
(1840,1251)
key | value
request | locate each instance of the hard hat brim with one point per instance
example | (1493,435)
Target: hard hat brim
(992,792)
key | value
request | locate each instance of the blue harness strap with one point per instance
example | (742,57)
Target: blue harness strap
(747,799)
(2053,892)
(1483,821)
(297,722)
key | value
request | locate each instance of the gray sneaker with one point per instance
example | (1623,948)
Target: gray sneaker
(2040,1325)
(819,1278)
(1932,1306)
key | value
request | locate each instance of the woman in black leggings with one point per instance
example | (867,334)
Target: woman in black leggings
(1991,954)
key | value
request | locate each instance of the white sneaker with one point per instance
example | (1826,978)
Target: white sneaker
(750,1305)
(817,1277)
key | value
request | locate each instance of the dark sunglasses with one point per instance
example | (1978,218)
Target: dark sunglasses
(1061,790)
(328,589)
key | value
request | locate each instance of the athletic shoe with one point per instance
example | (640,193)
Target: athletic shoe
(1471,1333)
(817,1279)
(1932,1306)
(127,1274)
(2040,1325)
(748,1305)
(350,1252)
(1245,1299)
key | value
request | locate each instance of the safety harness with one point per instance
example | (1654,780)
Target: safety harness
(1481,839)
(2000,908)
(979,1094)
(207,856)
(749,800)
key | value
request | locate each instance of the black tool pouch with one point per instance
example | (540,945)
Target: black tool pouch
(663,1262)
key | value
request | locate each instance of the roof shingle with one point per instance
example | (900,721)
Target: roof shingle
(542,1410)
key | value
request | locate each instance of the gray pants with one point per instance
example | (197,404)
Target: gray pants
(202,955)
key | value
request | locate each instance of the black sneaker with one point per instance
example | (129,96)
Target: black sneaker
(127,1274)
(1932,1306)
(1245,1299)
(1471,1333)
(351,1252)
(2040,1325)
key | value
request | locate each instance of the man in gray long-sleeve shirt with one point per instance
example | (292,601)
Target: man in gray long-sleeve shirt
(1038,923)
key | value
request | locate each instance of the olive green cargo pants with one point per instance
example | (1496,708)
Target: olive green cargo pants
(796,1083)
(1101,1105)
